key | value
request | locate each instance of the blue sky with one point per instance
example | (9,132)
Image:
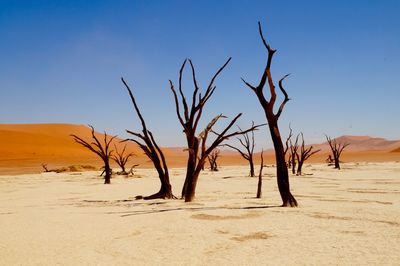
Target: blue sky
(61,61)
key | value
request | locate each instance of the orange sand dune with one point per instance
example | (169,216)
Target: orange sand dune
(396,150)
(25,147)
(362,143)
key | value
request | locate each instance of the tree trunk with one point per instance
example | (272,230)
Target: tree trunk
(293,164)
(281,169)
(193,147)
(299,166)
(191,166)
(337,163)
(251,167)
(165,191)
(191,186)
(107,172)
(259,187)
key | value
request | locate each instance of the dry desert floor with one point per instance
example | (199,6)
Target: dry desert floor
(347,217)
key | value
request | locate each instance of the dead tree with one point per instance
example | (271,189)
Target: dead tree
(104,171)
(330,160)
(304,154)
(198,151)
(122,158)
(147,143)
(46,170)
(131,171)
(248,146)
(212,160)
(101,149)
(294,153)
(337,149)
(287,146)
(259,185)
(272,118)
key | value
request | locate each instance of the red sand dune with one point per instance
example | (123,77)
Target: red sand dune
(25,147)
(396,150)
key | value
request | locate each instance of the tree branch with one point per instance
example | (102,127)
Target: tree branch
(286,97)
(185,106)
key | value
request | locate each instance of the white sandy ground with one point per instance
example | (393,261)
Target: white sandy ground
(347,217)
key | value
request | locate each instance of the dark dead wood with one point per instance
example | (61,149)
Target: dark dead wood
(101,149)
(337,149)
(146,141)
(288,140)
(212,160)
(294,153)
(272,118)
(247,143)
(304,154)
(259,184)
(122,158)
(197,147)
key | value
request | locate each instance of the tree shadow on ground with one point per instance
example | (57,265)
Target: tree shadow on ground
(132,213)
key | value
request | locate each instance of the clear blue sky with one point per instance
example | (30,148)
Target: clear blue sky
(61,61)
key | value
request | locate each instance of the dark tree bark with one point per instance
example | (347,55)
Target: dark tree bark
(304,154)
(46,170)
(337,149)
(294,154)
(102,150)
(287,146)
(147,143)
(259,185)
(272,118)
(121,158)
(198,151)
(248,145)
(131,171)
(212,160)
(329,160)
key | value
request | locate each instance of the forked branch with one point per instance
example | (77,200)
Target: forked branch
(147,143)
(101,149)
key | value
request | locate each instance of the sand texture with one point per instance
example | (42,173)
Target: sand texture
(347,217)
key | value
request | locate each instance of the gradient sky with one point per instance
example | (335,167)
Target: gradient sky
(61,61)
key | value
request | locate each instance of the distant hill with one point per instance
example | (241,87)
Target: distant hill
(363,143)
(24,147)
(396,150)
(22,140)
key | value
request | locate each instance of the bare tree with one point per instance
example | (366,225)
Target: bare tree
(287,147)
(337,149)
(147,143)
(198,150)
(330,160)
(46,170)
(259,185)
(122,158)
(304,154)
(293,153)
(248,145)
(212,160)
(101,149)
(272,118)
(132,170)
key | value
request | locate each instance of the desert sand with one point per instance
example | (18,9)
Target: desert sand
(25,147)
(347,217)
